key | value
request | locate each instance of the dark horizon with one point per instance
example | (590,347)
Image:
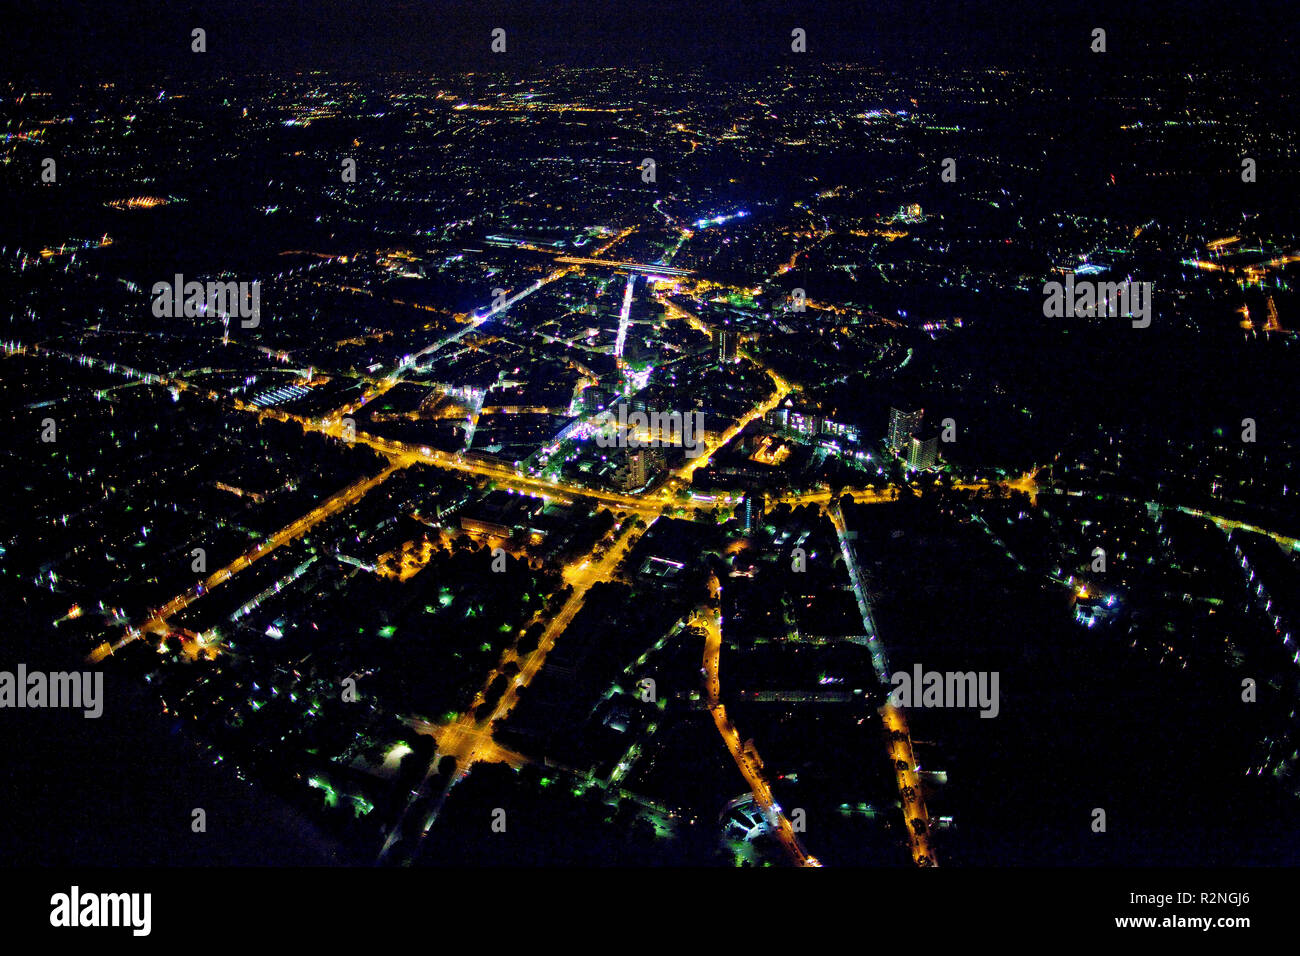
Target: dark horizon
(146,41)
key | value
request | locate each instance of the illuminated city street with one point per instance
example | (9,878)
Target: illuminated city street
(450,439)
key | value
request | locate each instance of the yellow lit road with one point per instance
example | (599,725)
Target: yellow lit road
(504,475)
(469,739)
(682,475)
(157,622)
(909,784)
(890,492)
(895,721)
(581,576)
(404,454)
(746,758)
(626,266)
(477,740)
(675,311)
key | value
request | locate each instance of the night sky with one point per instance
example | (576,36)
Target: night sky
(55,40)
